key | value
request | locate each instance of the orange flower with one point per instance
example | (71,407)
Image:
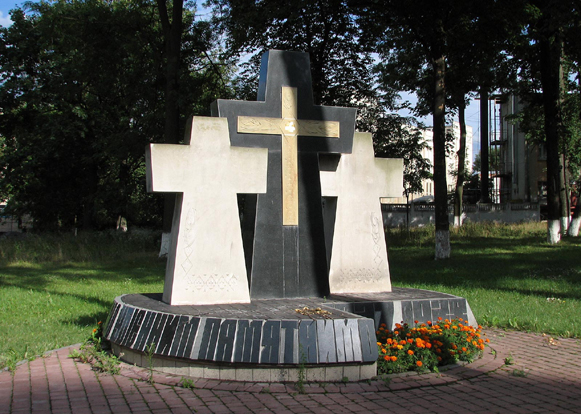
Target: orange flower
(439,359)
(416,322)
(464,348)
(428,345)
(410,352)
(94,330)
(393,358)
(439,318)
(387,358)
(419,363)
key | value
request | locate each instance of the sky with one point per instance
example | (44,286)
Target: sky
(472,111)
(5,7)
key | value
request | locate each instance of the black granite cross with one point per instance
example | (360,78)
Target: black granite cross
(288,257)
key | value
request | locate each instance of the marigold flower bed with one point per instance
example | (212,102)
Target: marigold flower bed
(427,346)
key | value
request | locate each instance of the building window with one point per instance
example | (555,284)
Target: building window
(542,152)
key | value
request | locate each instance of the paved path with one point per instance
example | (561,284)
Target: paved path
(545,377)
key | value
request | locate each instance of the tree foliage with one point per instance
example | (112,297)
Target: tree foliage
(81,95)
(341,67)
(549,32)
(414,41)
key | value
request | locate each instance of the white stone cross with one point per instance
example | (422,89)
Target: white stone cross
(206,260)
(359,254)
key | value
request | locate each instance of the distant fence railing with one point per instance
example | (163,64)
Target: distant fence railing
(10,224)
(420,214)
(465,207)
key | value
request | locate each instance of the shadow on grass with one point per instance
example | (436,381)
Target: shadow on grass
(494,263)
(89,320)
(49,278)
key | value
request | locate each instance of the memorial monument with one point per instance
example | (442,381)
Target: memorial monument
(293,283)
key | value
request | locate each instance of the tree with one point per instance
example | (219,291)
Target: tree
(172,35)
(474,183)
(79,93)
(476,63)
(341,67)
(413,40)
(540,56)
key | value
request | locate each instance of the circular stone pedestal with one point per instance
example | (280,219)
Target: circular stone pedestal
(269,340)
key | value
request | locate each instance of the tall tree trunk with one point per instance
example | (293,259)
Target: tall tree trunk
(172,33)
(576,203)
(440,185)
(550,60)
(564,201)
(565,210)
(484,162)
(576,220)
(461,165)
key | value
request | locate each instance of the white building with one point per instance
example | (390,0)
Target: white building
(519,172)
(451,156)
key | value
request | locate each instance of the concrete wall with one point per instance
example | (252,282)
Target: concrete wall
(394,215)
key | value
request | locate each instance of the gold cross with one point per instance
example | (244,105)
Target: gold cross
(289,127)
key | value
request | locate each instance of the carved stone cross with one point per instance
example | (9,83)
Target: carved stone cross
(206,260)
(359,254)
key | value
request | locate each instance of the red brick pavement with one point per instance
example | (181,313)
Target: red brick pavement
(544,377)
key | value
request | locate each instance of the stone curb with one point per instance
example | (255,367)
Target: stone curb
(492,360)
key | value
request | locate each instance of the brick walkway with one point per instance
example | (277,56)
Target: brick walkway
(545,377)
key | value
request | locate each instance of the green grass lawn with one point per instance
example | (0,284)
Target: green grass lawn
(511,277)
(54,289)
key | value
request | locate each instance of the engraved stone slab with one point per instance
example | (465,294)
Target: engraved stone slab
(206,261)
(359,255)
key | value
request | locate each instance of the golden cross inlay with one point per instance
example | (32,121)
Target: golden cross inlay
(289,127)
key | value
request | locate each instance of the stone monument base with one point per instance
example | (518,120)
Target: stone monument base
(270,340)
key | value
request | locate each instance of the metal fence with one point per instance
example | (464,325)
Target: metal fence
(395,215)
